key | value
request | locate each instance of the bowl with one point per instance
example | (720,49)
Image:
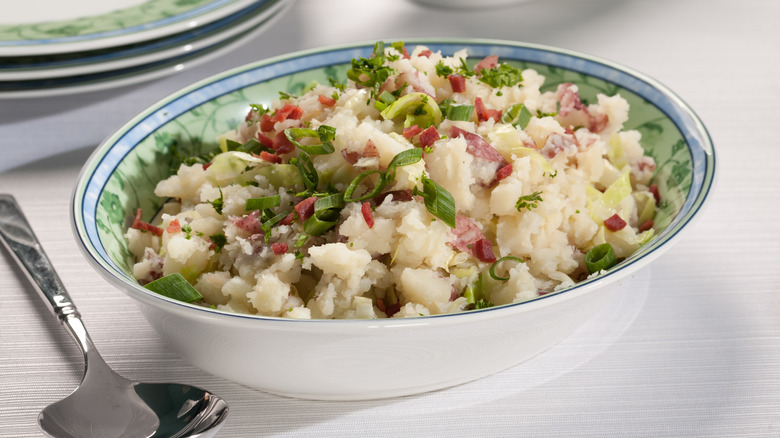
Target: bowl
(370,359)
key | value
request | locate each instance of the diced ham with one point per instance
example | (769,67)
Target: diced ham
(504,172)
(249,115)
(326,100)
(646,225)
(288,111)
(411,131)
(369,151)
(250,222)
(282,145)
(138,224)
(289,219)
(483,113)
(173,227)
(305,208)
(398,195)
(575,113)
(488,62)
(457,82)
(368,215)
(266,124)
(271,158)
(389,310)
(279,248)
(265,140)
(469,238)
(429,136)
(426,53)
(656,194)
(557,143)
(477,146)
(614,223)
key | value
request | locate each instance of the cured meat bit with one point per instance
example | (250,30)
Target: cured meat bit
(287,220)
(173,227)
(249,115)
(266,124)
(426,53)
(467,237)
(504,172)
(429,136)
(138,224)
(279,248)
(305,208)
(411,131)
(265,140)
(656,194)
(271,158)
(488,62)
(250,222)
(398,195)
(350,157)
(457,82)
(483,113)
(614,223)
(326,100)
(477,146)
(369,151)
(365,209)
(282,145)
(646,225)
(288,111)
(557,143)
(575,113)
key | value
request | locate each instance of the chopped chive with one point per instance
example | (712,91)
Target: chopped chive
(324,133)
(349,193)
(438,201)
(492,270)
(174,286)
(263,203)
(600,257)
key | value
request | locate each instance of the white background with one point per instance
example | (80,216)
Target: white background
(690,348)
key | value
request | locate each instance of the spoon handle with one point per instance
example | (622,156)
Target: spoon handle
(18,237)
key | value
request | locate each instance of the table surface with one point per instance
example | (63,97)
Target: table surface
(691,347)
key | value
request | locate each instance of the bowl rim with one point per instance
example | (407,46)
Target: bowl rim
(698,142)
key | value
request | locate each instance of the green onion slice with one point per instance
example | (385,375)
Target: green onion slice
(492,270)
(174,286)
(349,193)
(600,257)
(308,172)
(517,115)
(263,203)
(438,201)
(319,223)
(324,133)
(328,202)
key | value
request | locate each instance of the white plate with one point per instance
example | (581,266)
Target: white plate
(40,27)
(138,74)
(62,66)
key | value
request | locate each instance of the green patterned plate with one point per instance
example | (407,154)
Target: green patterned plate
(97,26)
(123,171)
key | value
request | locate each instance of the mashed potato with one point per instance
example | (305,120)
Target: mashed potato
(420,186)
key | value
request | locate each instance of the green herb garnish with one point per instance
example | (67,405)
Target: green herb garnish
(438,201)
(517,115)
(263,203)
(187,228)
(324,133)
(528,201)
(600,257)
(502,75)
(218,203)
(174,286)
(219,241)
(492,270)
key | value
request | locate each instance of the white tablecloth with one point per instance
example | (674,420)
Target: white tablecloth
(691,347)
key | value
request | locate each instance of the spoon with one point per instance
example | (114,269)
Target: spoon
(105,405)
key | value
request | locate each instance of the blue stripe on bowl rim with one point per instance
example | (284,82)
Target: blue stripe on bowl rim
(110,153)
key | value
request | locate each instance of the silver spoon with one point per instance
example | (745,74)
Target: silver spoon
(106,404)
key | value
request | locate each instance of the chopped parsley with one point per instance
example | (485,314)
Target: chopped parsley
(502,75)
(528,201)
(187,231)
(219,241)
(218,203)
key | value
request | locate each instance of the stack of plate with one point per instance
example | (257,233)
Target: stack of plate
(51,47)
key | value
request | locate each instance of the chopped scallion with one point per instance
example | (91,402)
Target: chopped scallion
(174,286)
(263,203)
(492,270)
(600,257)
(438,201)
(349,193)
(324,133)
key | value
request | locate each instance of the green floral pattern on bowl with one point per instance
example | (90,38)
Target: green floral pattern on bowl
(147,149)
(165,16)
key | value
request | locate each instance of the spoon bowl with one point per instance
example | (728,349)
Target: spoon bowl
(105,405)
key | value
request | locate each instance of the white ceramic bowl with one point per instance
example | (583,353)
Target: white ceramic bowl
(365,359)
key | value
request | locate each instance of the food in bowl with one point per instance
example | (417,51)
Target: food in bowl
(421,185)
